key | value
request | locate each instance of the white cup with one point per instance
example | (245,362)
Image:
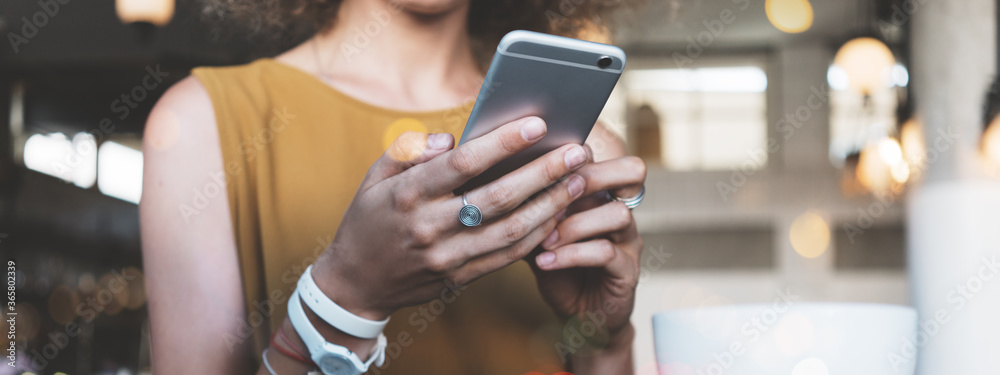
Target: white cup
(794,338)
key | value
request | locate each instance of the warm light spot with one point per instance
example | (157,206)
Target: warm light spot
(900,172)
(872,171)
(809,234)
(811,366)
(136,288)
(890,152)
(412,135)
(867,62)
(790,16)
(991,143)
(113,293)
(594,33)
(157,12)
(62,304)
(911,139)
(87,284)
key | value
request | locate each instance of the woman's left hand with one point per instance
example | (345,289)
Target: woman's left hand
(588,268)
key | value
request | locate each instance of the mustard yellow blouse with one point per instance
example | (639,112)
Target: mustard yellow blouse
(295,150)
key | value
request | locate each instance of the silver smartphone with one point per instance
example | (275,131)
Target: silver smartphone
(564,81)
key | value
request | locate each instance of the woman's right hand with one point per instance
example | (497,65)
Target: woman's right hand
(400,240)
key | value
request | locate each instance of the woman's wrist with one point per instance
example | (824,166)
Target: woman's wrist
(343,291)
(613,358)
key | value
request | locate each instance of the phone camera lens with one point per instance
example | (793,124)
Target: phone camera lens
(604,62)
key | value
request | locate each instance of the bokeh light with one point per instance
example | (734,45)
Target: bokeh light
(112,295)
(911,139)
(867,62)
(809,234)
(412,142)
(87,284)
(790,16)
(991,143)
(62,304)
(136,288)
(157,12)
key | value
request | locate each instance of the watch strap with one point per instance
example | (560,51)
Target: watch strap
(335,315)
(318,347)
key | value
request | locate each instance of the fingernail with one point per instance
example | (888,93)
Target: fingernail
(575,157)
(533,129)
(551,239)
(561,215)
(439,141)
(545,259)
(575,185)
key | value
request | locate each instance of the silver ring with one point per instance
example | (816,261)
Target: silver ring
(469,215)
(633,202)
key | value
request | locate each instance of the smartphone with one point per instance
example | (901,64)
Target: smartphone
(564,81)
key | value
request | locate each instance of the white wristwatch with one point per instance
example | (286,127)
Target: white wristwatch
(332,359)
(336,316)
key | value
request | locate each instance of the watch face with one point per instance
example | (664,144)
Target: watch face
(333,364)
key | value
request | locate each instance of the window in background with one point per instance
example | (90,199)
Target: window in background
(707,118)
(57,155)
(119,171)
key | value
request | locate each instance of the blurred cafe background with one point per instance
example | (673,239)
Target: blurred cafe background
(834,150)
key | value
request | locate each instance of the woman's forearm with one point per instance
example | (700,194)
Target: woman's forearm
(615,358)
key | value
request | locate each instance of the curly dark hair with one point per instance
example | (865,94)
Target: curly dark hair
(489,20)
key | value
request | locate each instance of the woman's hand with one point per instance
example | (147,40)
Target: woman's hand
(401,241)
(588,267)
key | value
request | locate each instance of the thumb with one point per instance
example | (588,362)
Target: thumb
(409,149)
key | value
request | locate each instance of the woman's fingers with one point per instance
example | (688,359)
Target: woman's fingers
(608,218)
(511,229)
(409,149)
(508,192)
(447,173)
(593,253)
(491,262)
(623,176)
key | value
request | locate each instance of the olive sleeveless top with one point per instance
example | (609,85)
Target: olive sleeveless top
(295,151)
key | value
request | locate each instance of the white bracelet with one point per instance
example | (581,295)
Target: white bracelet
(267,365)
(333,314)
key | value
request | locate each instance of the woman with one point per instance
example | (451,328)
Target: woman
(254,172)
